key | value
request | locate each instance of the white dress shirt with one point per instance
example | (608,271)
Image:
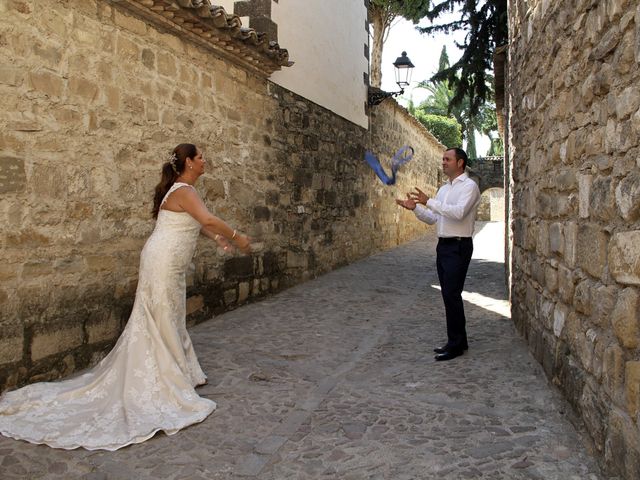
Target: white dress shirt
(454,208)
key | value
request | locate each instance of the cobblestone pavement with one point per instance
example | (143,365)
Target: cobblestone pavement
(335,379)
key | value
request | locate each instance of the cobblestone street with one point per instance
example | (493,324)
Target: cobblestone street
(335,379)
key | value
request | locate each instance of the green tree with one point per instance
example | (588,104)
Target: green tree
(485,22)
(446,129)
(440,102)
(411,106)
(382,13)
(489,127)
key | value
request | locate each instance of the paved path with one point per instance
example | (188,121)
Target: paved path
(335,379)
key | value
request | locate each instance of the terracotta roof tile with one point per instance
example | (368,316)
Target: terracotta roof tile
(212,27)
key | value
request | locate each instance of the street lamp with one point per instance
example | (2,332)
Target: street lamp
(403,69)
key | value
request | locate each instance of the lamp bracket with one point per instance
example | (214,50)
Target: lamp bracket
(376,96)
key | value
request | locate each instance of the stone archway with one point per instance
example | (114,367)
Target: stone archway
(492,205)
(488,172)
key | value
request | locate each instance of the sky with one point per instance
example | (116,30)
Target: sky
(424,52)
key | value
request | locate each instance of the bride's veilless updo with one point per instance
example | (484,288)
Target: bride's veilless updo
(171,169)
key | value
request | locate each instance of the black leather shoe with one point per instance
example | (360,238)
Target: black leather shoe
(441,349)
(445,348)
(448,355)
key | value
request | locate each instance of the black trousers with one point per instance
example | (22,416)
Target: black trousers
(452,260)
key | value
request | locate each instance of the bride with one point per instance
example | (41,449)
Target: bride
(146,383)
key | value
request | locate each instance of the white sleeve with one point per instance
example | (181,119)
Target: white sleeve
(425,215)
(461,208)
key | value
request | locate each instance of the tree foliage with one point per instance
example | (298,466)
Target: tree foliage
(485,22)
(440,102)
(382,13)
(446,129)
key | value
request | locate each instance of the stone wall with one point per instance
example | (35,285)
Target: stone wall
(93,100)
(574,128)
(491,207)
(488,172)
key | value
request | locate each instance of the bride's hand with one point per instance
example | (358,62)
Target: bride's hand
(243,243)
(224,243)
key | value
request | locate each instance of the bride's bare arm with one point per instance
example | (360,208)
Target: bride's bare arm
(220,240)
(189,200)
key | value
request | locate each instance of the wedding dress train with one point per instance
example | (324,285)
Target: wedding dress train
(146,383)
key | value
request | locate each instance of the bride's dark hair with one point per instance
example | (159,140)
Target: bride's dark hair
(171,169)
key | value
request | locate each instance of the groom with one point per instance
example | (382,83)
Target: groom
(454,210)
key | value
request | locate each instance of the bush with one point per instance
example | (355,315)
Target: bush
(447,130)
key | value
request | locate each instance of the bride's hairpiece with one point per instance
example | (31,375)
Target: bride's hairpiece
(173,159)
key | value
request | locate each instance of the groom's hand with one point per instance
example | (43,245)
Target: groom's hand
(408,203)
(419,196)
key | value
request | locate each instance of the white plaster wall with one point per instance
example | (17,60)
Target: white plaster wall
(326,40)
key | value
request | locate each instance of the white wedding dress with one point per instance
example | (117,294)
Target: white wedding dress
(146,383)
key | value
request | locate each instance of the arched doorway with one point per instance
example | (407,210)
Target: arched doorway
(491,208)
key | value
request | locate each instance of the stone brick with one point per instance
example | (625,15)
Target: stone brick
(194,304)
(53,341)
(51,55)
(623,445)
(625,318)
(11,76)
(11,344)
(624,257)
(637,43)
(130,23)
(127,48)
(167,65)
(583,342)
(47,82)
(627,102)
(83,88)
(8,271)
(559,319)
(241,267)
(47,181)
(542,247)
(97,263)
(571,243)
(591,249)
(148,58)
(230,296)
(37,268)
(556,238)
(585,182)
(593,411)
(613,371)
(602,198)
(551,278)
(101,329)
(603,302)
(243,291)
(297,260)
(12,174)
(628,196)
(632,383)
(582,297)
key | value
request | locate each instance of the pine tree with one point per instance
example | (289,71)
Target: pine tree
(485,22)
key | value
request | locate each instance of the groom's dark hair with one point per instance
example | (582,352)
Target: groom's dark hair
(460,155)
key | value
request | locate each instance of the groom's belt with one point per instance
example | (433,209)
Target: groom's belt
(453,239)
